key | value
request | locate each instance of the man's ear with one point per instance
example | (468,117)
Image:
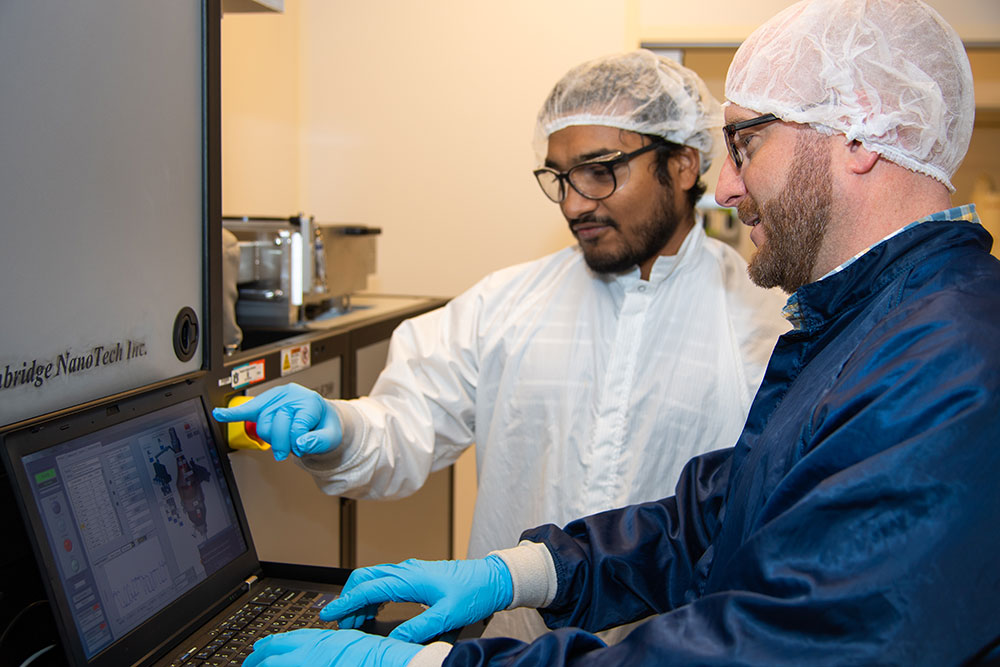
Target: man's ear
(686,167)
(860,160)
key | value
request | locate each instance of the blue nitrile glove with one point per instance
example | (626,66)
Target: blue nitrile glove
(458,592)
(291,418)
(319,648)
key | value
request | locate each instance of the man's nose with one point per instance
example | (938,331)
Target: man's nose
(575,204)
(730,189)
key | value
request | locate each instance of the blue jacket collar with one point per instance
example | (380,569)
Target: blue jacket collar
(815,304)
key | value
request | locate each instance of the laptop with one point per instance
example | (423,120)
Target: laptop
(142,542)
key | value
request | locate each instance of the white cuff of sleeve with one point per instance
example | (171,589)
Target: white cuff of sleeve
(533,573)
(432,655)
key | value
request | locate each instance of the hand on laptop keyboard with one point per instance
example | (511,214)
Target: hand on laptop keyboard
(271,610)
(459,592)
(319,648)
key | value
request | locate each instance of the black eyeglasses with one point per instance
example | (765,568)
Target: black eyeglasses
(736,146)
(598,178)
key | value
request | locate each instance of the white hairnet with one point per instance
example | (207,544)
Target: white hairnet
(637,91)
(891,74)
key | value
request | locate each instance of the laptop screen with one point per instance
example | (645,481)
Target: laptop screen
(135,514)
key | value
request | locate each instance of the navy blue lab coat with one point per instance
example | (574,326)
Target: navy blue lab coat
(856,521)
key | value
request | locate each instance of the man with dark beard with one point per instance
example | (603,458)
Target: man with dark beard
(855,520)
(568,372)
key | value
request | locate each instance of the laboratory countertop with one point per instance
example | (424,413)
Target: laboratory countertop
(365,310)
(270,353)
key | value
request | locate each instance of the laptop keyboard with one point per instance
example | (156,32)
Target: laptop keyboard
(273,609)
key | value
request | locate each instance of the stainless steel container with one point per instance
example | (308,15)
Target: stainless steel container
(292,268)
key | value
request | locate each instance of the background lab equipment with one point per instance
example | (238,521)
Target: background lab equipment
(293,270)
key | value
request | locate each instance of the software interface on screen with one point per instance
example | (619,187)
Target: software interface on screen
(135,515)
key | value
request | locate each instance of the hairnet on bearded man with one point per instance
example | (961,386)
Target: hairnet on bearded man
(893,76)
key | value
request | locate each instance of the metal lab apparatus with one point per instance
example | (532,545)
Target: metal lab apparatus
(292,269)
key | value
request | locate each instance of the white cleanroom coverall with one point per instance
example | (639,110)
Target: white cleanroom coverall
(582,392)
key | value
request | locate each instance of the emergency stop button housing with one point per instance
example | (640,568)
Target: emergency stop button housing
(243,435)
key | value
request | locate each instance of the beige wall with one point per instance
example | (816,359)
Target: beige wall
(413,117)
(260,113)
(730,21)
(417,117)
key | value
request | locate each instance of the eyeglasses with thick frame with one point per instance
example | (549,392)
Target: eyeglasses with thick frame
(737,150)
(597,178)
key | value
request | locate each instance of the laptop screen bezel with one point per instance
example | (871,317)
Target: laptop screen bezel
(165,629)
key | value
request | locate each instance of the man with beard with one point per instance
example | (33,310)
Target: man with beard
(569,373)
(855,520)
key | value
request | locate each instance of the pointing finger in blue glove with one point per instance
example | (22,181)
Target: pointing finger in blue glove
(291,418)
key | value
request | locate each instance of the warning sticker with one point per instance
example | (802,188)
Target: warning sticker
(294,359)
